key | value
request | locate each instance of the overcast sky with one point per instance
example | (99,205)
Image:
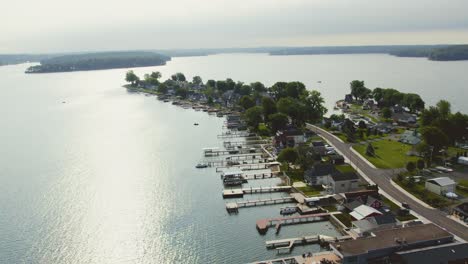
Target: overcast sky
(91,25)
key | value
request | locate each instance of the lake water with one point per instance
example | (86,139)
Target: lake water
(90,173)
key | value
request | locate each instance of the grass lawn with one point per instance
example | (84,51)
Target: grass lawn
(311,190)
(345,168)
(330,208)
(406,217)
(389,154)
(340,136)
(294,174)
(344,218)
(428,197)
(393,206)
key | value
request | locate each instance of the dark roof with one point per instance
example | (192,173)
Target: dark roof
(462,208)
(352,205)
(387,239)
(385,219)
(356,194)
(435,254)
(339,176)
(318,144)
(320,170)
(336,156)
(292,132)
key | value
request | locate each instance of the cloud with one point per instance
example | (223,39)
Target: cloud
(58,25)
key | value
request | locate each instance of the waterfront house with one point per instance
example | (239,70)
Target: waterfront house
(373,202)
(384,128)
(380,222)
(411,137)
(404,118)
(339,182)
(364,211)
(318,147)
(318,174)
(385,243)
(289,138)
(441,185)
(348,98)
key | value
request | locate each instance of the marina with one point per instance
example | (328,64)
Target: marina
(264,224)
(287,244)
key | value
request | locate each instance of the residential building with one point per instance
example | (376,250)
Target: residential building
(343,182)
(337,159)
(363,211)
(441,185)
(380,222)
(318,147)
(411,137)
(318,175)
(290,137)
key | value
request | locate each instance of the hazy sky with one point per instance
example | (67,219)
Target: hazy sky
(65,25)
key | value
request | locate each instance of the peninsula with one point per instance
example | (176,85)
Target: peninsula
(99,61)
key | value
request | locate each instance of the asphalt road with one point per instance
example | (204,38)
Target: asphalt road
(382,178)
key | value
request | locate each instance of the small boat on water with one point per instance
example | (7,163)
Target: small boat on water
(201,166)
(288,210)
(166,100)
(195,124)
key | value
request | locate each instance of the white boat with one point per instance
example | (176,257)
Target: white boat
(201,165)
(288,210)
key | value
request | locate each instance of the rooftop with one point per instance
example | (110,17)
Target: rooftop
(389,238)
(436,254)
(442,181)
(364,211)
(320,170)
(344,176)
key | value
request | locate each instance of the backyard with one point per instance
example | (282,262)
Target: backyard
(389,154)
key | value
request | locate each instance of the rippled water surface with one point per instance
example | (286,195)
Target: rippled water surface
(90,173)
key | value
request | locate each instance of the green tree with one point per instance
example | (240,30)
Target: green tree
(420,164)
(288,155)
(211,83)
(179,77)
(162,88)
(253,116)
(156,75)
(295,89)
(444,109)
(278,121)
(182,92)
(210,100)
(410,166)
(132,78)
(269,106)
(386,113)
(197,80)
(433,136)
(370,151)
(278,90)
(258,87)
(221,86)
(246,102)
(314,108)
(357,88)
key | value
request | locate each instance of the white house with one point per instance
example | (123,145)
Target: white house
(441,185)
(343,182)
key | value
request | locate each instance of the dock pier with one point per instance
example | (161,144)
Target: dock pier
(264,224)
(286,245)
(234,207)
(235,193)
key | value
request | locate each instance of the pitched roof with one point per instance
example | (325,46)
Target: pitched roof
(364,211)
(383,219)
(320,170)
(353,205)
(442,181)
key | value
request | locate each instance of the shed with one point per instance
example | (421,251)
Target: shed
(441,185)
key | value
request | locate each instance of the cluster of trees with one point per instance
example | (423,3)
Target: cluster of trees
(281,103)
(98,61)
(386,97)
(440,128)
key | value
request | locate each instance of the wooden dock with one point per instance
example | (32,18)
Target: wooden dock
(255,166)
(234,193)
(232,207)
(288,243)
(264,224)
(217,152)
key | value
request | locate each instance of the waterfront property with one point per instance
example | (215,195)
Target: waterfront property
(384,243)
